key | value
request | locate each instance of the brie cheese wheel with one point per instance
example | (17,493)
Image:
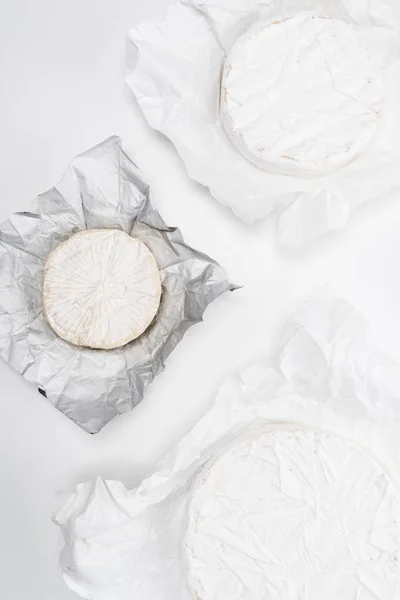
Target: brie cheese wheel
(101,288)
(300,96)
(291,514)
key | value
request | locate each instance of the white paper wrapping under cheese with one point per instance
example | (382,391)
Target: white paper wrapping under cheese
(301,95)
(101,288)
(175,68)
(102,189)
(327,383)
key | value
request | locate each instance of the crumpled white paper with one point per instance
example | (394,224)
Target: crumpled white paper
(325,375)
(102,189)
(174,70)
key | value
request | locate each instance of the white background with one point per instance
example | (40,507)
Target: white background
(62,91)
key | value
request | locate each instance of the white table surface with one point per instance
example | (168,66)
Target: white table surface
(63,91)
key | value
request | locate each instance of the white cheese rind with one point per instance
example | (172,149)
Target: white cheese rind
(292,514)
(301,96)
(101,289)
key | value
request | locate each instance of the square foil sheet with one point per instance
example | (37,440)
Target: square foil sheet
(102,189)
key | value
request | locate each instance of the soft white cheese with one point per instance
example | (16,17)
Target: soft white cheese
(301,95)
(101,288)
(292,514)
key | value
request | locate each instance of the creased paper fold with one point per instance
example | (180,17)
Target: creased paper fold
(324,375)
(174,70)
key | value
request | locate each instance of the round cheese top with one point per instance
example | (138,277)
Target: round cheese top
(300,96)
(290,514)
(101,288)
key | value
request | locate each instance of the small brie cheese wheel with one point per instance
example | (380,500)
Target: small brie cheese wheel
(296,515)
(300,96)
(101,288)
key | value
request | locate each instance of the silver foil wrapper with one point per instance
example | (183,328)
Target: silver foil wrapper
(102,188)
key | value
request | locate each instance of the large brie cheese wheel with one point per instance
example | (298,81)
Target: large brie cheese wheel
(101,288)
(300,96)
(291,514)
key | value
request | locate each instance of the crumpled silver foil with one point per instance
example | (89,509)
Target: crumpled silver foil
(102,188)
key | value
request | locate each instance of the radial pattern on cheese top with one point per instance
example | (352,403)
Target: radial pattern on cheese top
(101,289)
(293,515)
(300,96)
